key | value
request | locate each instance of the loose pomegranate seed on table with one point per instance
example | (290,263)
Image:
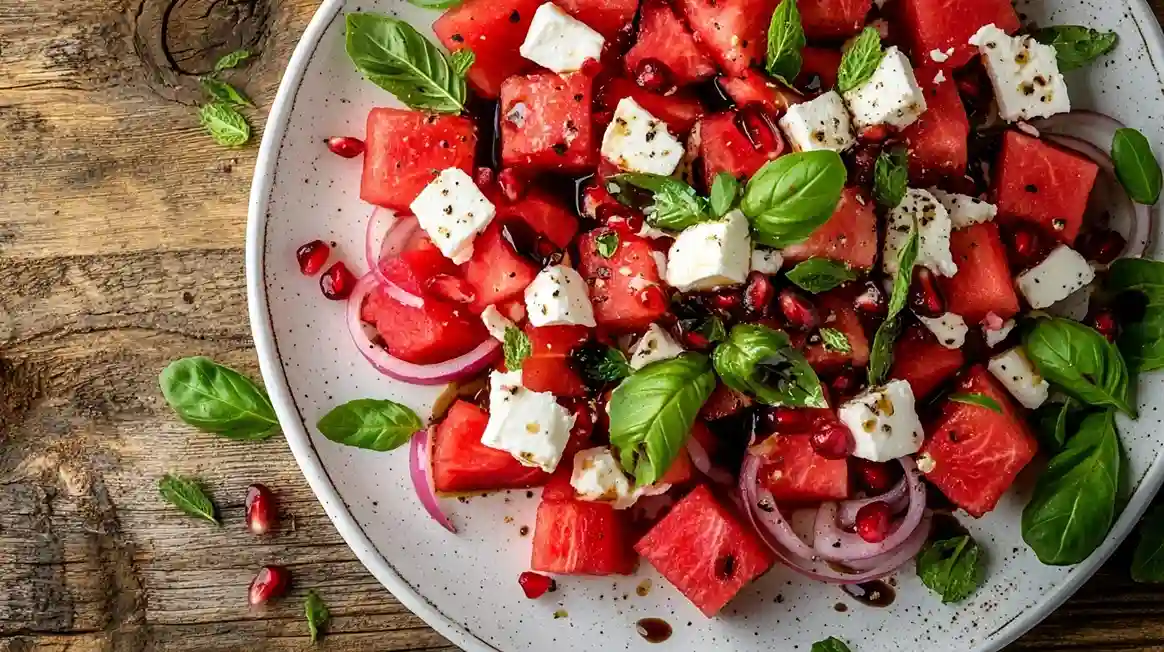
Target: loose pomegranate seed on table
(270,582)
(262,513)
(345,146)
(535,585)
(337,282)
(873,521)
(312,257)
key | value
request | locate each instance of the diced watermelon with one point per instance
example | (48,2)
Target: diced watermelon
(548,369)
(460,462)
(664,38)
(680,472)
(753,87)
(922,362)
(545,213)
(679,110)
(725,147)
(837,312)
(849,236)
(579,537)
(833,19)
(500,24)
(983,283)
(704,549)
(416,265)
(795,473)
(407,149)
(607,17)
(946,26)
(497,272)
(723,402)
(938,142)
(1040,183)
(435,332)
(819,63)
(546,122)
(734,31)
(976,452)
(623,302)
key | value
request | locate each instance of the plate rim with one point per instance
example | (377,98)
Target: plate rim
(303,449)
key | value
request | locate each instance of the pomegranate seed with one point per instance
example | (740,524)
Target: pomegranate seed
(512,184)
(312,257)
(846,383)
(535,585)
(875,134)
(831,439)
(653,75)
(345,146)
(760,130)
(874,477)
(1105,323)
(924,297)
(873,521)
(725,300)
(591,67)
(483,177)
(871,301)
(1102,247)
(789,420)
(759,293)
(798,311)
(261,511)
(337,282)
(695,340)
(271,582)
(1024,244)
(451,288)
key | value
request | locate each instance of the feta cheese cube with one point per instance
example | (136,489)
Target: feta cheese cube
(821,123)
(655,345)
(558,41)
(452,211)
(933,225)
(766,261)
(996,336)
(711,254)
(637,141)
(558,297)
(883,421)
(1024,73)
(965,210)
(496,323)
(1016,373)
(950,329)
(890,97)
(530,426)
(598,476)
(1062,273)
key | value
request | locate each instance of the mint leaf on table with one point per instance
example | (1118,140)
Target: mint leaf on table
(221,91)
(952,568)
(399,59)
(217,399)
(787,199)
(232,60)
(372,424)
(187,495)
(225,124)
(762,362)
(316,613)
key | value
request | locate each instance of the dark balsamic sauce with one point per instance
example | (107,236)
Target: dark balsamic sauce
(654,630)
(871,594)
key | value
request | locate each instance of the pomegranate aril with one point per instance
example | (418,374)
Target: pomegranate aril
(512,184)
(271,582)
(846,383)
(451,288)
(831,439)
(695,340)
(262,513)
(1102,247)
(788,421)
(875,134)
(1105,323)
(759,293)
(874,477)
(872,301)
(725,299)
(798,311)
(591,67)
(1024,244)
(312,257)
(873,521)
(653,75)
(924,297)
(345,146)
(337,282)
(760,130)
(535,585)
(483,177)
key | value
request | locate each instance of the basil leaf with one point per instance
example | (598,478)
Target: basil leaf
(785,42)
(606,244)
(860,60)
(217,399)
(516,347)
(1081,362)
(713,329)
(830,644)
(435,4)
(760,361)
(372,424)
(225,124)
(1148,559)
(787,199)
(881,352)
(724,191)
(316,613)
(232,60)
(1140,282)
(1054,420)
(652,412)
(835,340)
(1136,166)
(891,178)
(981,400)
(601,364)
(818,275)
(1076,46)
(1074,502)
(952,568)
(397,58)
(676,205)
(221,91)
(188,496)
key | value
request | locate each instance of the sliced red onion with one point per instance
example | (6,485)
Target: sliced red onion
(420,471)
(387,235)
(702,461)
(897,497)
(464,366)
(834,544)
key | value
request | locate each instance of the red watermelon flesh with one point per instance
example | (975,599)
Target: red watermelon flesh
(833,19)
(795,473)
(406,150)
(1043,184)
(664,38)
(502,24)
(546,122)
(983,283)
(461,463)
(946,26)
(920,360)
(938,142)
(849,236)
(734,31)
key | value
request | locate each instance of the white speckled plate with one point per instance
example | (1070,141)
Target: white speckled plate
(465,586)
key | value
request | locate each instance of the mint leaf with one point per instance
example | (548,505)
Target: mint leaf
(1076,46)
(881,352)
(675,206)
(316,613)
(817,275)
(830,644)
(372,424)
(606,244)
(724,191)
(860,60)
(762,362)
(397,58)
(981,400)
(786,41)
(601,364)
(516,348)
(462,60)
(891,178)
(232,60)
(223,92)
(835,340)
(188,496)
(225,124)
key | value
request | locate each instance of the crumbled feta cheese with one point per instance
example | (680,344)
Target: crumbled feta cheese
(821,123)
(637,141)
(891,97)
(1016,373)
(496,323)
(766,261)
(711,254)
(655,345)
(933,227)
(1024,73)
(939,77)
(950,329)
(598,476)
(939,56)
(965,210)
(528,425)
(558,41)
(996,336)
(558,297)
(648,231)
(452,211)
(883,421)
(1062,273)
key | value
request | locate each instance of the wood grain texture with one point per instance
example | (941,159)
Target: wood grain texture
(121,235)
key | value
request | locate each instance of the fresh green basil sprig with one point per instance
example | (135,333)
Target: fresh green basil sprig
(817,275)
(217,399)
(881,352)
(725,190)
(372,424)
(787,199)
(786,42)
(675,205)
(1140,281)
(1054,420)
(1076,46)
(762,362)
(1136,166)
(830,644)
(953,568)
(860,60)
(1080,362)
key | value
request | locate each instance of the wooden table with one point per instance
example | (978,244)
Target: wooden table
(121,248)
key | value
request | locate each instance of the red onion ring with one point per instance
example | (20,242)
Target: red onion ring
(834,544)
(387,235)
(463,366)
(897,498)
(418,469)
(702,461)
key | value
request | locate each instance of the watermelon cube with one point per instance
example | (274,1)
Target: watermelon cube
(407,149)
(849,236)
(1043,184)
(920,360)
(795,473)
(496,272)
(705,550)
(972,453)
(461,463)
(723,403)
(500,23)
(546,122)
(434,332)
(819,65)
(734,31)
(945,27)
(416,265)
(938,143)
(607,17)
(737,142)
(983,283)
(623,302)
(833,19)
(679,110)
(548,369)
(664,38)
(753,87)
(837,311)
(545,213)
(579,537)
